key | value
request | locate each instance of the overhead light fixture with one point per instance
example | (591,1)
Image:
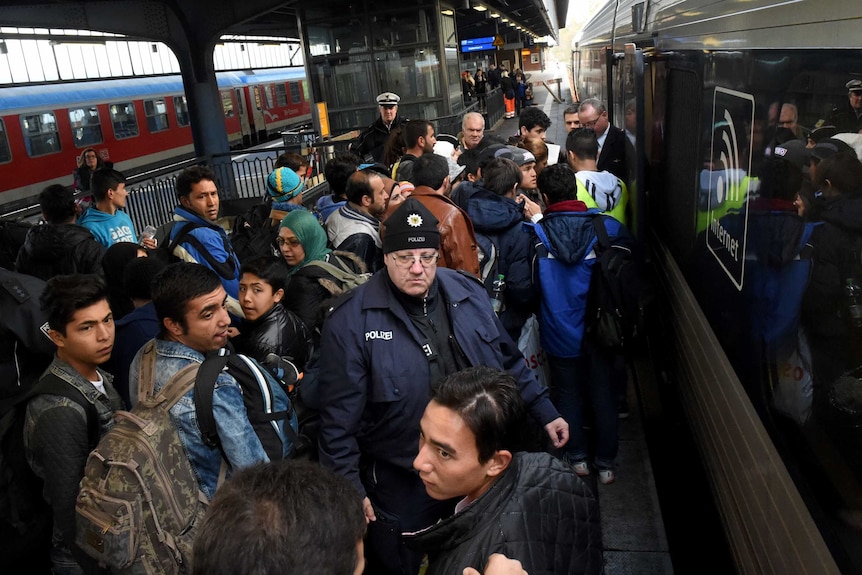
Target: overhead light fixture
(447,12)
(495,15)
(504,20)
(479,8)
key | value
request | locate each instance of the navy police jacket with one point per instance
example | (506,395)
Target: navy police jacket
(375,378)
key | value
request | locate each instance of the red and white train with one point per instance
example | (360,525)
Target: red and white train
(134,123)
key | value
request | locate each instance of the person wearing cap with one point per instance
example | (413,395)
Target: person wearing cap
(458,249)
(849,118)
(419,139)
(372,141)
(383,347)
(284,188)
(612,141)
(355,227)
(526,162)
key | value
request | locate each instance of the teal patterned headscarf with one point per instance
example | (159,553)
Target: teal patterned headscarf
(310,234)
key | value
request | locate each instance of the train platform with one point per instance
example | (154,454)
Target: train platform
(632,525)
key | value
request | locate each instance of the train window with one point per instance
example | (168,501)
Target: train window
(124,120)
(227,104)
(5,152)
(40,134)
(281,94)
(295,92)
(157,115)
(86,126)
(182,108)
(270,98)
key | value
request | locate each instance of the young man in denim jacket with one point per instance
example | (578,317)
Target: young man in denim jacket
(190,303)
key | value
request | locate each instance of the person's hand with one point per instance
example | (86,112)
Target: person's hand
(499,564)
(531,208)
(232,332)
(149,243)
(558,431)
(368,509)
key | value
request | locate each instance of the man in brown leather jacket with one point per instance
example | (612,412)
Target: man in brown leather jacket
(458,248)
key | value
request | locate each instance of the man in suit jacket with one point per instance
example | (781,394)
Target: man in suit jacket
(612,141)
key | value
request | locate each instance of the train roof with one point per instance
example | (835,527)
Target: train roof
(729,24)
(19,99)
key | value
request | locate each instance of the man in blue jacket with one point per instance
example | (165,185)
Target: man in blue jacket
(197,236)
(383,349)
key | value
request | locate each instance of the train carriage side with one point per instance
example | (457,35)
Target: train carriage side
(718,80)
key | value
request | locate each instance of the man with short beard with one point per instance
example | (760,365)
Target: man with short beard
(355,227)
(420,139)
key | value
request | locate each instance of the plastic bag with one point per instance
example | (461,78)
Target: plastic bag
(794,393)
(531,349)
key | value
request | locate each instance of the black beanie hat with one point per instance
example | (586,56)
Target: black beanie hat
(409,227)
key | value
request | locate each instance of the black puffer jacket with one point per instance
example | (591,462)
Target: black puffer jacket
(57,249)
(539,512)
(278,331)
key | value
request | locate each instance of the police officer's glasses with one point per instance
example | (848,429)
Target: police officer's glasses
(407,260)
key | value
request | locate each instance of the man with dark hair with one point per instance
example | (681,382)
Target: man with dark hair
(106,219)
(305,518)
(190,303)
(60,246)
(458,248)
(269,327)
(532,123)
(336,171)
(196,235)
(385,345)
(355,227)
(580,371)
(62,425)
(538,511)
(596,188)
(419,139)
(612,141)
(571,118)
(139,326)
(495,208)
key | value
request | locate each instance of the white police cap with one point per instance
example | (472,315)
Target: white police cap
(388,99)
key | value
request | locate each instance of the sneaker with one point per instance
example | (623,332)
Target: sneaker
(623,409)
(606,476)
(582,468)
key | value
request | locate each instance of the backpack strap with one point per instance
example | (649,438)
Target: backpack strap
(207,375)
(601,232)
(226,269)
(336,271)
(146,371)
(52,384)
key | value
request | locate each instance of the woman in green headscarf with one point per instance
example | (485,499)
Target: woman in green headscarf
(302,241)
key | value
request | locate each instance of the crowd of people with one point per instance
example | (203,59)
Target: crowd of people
(431,424)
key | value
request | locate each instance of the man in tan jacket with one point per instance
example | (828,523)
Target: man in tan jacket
(458,248)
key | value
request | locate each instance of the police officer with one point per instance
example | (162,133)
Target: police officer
(371,143)
(383,348)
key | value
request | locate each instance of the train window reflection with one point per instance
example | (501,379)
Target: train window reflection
(40,134)
(124,120)
(182,109)
(157,115)
(295,95)
(5,152)
(86,126)
(227,104)
(281,95)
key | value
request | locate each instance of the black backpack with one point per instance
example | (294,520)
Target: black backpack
(12,236)
(614,299)
(25,517)
(254,234)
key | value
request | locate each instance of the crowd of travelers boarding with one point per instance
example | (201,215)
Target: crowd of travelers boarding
(162,390)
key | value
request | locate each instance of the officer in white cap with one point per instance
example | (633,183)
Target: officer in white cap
(371,144)
(849,118)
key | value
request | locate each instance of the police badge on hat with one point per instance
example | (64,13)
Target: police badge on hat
(409,227)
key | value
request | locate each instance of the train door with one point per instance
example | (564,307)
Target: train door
(256,112)
(245,125)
